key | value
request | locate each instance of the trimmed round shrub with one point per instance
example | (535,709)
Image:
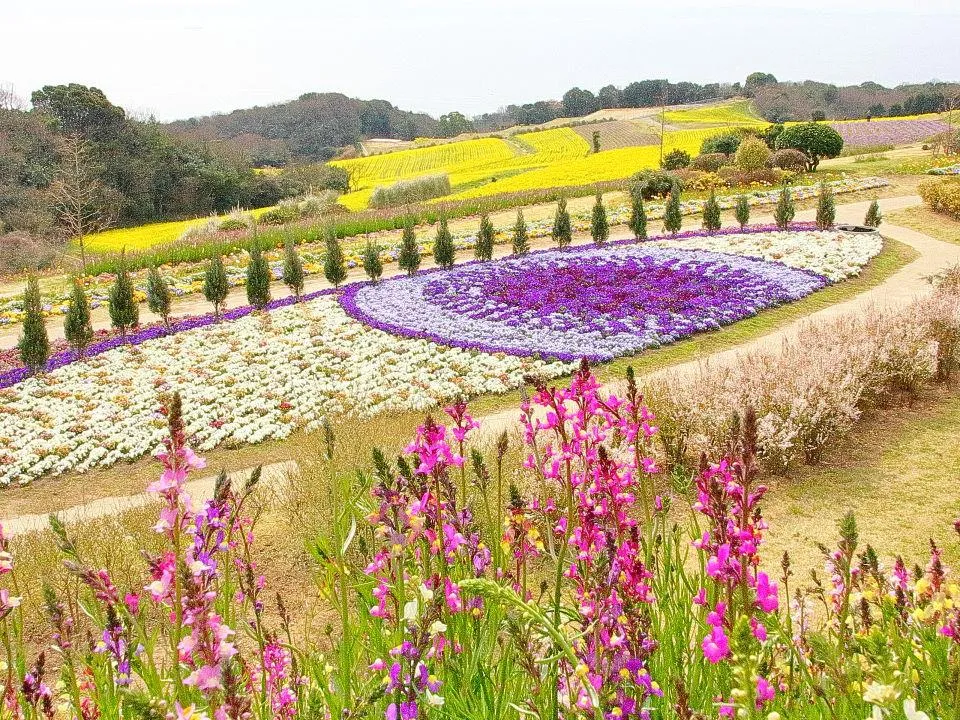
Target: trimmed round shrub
(654,183)
(792,160)
(726,143)
(815,140)
(710,162)
(753,154)
(675,159)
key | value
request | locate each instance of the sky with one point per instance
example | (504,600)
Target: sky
(181,58)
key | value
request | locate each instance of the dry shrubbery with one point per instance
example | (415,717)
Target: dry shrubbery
(942,196)
(19,251)
(405,192)
(812,391)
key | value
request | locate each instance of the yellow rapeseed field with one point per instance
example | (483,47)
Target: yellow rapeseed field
(737,112)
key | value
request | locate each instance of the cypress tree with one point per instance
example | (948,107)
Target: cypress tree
(711,214)
(158,295)
(562,232)
(334,264)
(672,220)
(873,217)
(76,325)
(484,246)
(785,210)
(34,344)
(826,208)
(409,258)
(215,285)
(124,311)
(372,265)
(599,229)
(521,241)
(258,278)
(638,216)
(292,268)
(742,211)
(444,253)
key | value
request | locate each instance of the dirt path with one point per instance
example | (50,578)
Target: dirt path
(899,289)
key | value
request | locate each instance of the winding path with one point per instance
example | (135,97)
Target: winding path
(897,290)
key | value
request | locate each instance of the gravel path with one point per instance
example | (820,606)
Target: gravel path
(899,289)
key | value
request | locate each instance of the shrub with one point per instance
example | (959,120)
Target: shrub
(652,183)
(638,217)
(77,328)
(711,214)
(444,254)
(785,210)
(23,251)
(726,143)
(372,264)
(826,207)
(789,159)
(258,278)
(124,310)
(158,295)
(409,257)
(562,232)
(815,140)
(334,264)
(405,192)
(672,220)
(771,133)
(742,210)
(599,229)
(215,285)
(710,162)
(942,195)
(675,159)
(753,154)
(234,222)
(292,268)
(698,180)
(34,344)
(874,217)
(521,241)
(485,239)
(313,205)
(280,215)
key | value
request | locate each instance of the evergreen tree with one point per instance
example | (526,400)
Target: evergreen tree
(672,220)
(372,264)
(258,278)
(409,258)
(77,328)
(34,344)
(562,233)
(484,247)
(826,208)
(785,210)
(158,295)
(638,216)
(215,285)
(599,229)
(874,217)
(742,211)
(521,241)
(334,264)
(124,310)
(292,268)
(711,214)
(444,253)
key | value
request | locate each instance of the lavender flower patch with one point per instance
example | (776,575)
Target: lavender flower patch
(888,132)
(596,302)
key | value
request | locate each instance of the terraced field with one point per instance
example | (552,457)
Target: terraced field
(619,134)
(738,112)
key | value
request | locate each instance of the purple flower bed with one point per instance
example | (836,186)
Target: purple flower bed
(590,302)
(888,132)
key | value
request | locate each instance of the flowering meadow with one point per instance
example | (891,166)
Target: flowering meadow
(402,344)
(581,586)
(888,132)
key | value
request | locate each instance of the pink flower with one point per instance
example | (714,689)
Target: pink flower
(716,646)
(205,678)
(767,597)
(765,691)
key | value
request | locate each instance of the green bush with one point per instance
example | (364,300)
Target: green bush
(372,264)
(334,264)
(654,183)
(405,192)
(521,241)
(711,214)
(753,154)
(874,217)
(77,328)
(710,162)
(672,219)
(599,228)
(444,253)
(158,295)
(562,232)
(485,239)
(409,257)
(742,211)
(826,208)
(34,344)
(258,278)
(638,217)
(675,159)
(942,196)
(726,143)
(785,211)
(280,215)
(292,269)
(124,310)
(215,285)
(815,140)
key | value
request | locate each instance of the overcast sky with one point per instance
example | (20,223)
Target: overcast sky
(180,58)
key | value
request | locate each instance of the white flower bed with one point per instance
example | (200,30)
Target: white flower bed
(242,382)
(836,255)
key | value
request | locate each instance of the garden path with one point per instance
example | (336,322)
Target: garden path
(897,290)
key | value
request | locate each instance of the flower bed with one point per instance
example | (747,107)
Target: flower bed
(187,278)
(601,302)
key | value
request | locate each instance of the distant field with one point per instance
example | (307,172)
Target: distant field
(738,112)
(888,131)
(618,134)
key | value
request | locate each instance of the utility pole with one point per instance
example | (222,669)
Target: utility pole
(663,110)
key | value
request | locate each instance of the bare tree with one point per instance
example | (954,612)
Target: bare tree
(9,100)
(81,202)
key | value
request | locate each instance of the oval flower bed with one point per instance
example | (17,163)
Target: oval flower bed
(601,302)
